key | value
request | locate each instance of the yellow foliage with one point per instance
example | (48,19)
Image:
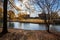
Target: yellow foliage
(11,14)
(1,9)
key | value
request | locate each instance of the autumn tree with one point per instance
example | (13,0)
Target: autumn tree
(22,15)
(11,15)
(1,13)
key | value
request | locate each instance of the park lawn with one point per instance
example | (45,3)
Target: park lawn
(19,34)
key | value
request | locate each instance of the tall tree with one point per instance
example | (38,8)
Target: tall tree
(4,30)
(47,7)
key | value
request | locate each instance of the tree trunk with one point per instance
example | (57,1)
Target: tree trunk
(47,23)
(4,30)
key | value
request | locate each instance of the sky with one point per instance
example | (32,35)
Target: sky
(30,5)
(35,7)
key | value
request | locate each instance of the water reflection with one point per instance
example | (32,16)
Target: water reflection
(27,26)
(31,26)
(56,27)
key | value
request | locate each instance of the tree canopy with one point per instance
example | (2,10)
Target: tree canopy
(48,5)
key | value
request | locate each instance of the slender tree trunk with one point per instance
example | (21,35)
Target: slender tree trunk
(47,23)
(4,30)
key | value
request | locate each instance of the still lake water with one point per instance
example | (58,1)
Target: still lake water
(32,26)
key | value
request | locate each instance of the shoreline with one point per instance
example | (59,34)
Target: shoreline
(34,22)
(38,21)
(14,29)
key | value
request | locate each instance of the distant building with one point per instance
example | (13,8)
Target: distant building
(53,15)
(43,16)
(27,16)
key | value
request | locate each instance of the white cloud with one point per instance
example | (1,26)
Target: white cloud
(59,13)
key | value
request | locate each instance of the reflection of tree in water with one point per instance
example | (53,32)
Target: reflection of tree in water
(11,25)
(42,26)
(55,28)
(27,25)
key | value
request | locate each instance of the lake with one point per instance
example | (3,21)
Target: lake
(32,26)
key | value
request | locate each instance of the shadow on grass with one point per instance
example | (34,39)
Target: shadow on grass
(54,34)
(2,34)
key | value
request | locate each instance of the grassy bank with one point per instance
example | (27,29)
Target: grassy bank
(29,21)
(40,21)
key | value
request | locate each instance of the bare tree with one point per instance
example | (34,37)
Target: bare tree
(47,7)
(11,3)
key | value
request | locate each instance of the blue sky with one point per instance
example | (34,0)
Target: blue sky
(37,8)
